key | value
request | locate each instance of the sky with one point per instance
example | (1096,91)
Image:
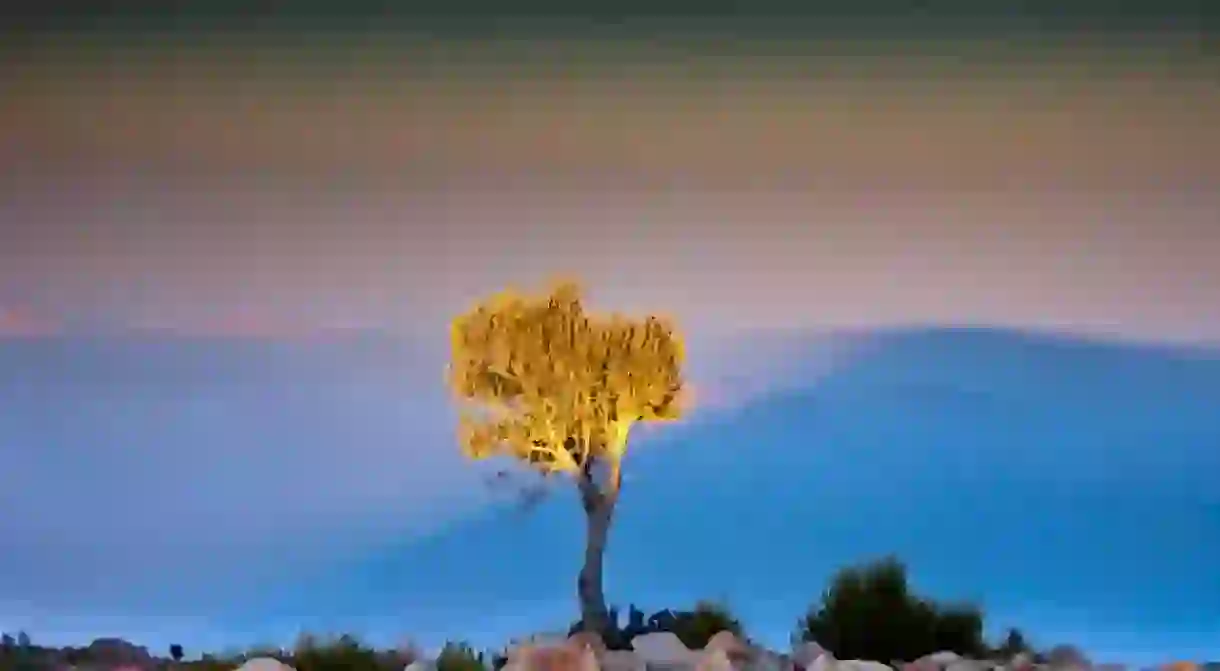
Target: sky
(943,243)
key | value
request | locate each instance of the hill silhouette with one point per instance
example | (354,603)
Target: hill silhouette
(1024,452)
(1066,483)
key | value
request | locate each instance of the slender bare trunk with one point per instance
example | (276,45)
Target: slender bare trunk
(599,505)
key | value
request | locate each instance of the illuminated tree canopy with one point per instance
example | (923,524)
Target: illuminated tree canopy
(558,388)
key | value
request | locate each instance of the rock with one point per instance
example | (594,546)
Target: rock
(969,665)
(940,659)
(662,647)
(805,652)
(621,660)
(264,664)
(421,665)
(862,665)
(566,656)
(544,639)
(713,659)
(589,639)
(738,652)
(824,662)
(728,642)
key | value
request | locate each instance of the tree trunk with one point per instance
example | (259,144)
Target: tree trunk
(598,504)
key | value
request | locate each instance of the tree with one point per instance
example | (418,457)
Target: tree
(869,612)
(559,390)
(175,651)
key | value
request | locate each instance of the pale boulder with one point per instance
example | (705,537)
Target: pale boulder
(739,653)
(824,662)
(940,659)
(805,652)
(566,656)
(421,665)
(662,648)
(542,639)
(728,642)
(590,640)
(713,659)
(921,664)
(264,664)
(621,660)
(969,665)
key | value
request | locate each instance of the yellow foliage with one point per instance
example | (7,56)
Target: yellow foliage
(556,387)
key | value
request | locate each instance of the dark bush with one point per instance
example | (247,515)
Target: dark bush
(693,627)
(459,657)
(1013,645)
(869,612)
(345,653)
(696,627)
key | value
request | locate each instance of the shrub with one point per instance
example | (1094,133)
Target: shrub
(345,653)
(696,627)
(459,657)
(693,627)
(869,612)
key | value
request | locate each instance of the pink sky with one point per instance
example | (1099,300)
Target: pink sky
(191,194)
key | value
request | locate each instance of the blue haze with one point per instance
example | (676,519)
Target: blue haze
(1067,485)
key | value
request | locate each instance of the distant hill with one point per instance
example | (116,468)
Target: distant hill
(1005,466)
(1068,484)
